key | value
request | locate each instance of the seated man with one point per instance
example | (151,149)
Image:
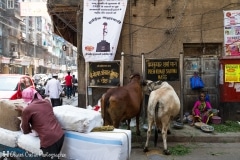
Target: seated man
(202,110)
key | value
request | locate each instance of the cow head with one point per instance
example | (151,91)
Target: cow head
(139,77)
(151,86)
(136,74)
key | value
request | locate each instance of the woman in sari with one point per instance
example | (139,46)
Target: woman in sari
(202,110)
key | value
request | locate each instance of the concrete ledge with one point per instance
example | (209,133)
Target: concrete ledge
(190,134)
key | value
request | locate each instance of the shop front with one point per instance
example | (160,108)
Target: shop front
(229,83)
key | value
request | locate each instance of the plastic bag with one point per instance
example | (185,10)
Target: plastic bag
(196,82)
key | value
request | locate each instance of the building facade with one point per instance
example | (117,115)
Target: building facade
(191,29)
(171,29)
(28,45)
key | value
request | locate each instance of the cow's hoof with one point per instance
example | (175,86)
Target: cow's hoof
(168,132)
(145,149)
(166,152)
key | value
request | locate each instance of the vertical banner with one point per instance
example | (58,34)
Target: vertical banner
(232,32)
(102,24)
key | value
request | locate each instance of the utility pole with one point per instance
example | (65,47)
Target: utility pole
(80,59)
(34,43)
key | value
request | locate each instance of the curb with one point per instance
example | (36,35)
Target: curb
(190,134)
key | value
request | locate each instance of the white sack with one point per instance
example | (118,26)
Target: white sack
(29,143)
(9,138)
(77,119)
(113,145)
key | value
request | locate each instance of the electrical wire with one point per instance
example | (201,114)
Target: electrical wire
(173,34)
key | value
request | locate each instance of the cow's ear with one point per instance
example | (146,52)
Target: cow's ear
(159,82)
(144,83)
(148,82)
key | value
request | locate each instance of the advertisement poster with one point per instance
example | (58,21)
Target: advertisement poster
(232,32)
(102,24)
(232,73)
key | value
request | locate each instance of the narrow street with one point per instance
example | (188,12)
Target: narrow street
(198,151)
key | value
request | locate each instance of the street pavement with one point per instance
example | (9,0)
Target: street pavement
(72,101)
(198,151)
(203,146)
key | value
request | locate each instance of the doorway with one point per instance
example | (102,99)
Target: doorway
(207,68)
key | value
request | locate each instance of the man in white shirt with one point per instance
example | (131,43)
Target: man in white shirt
(53,90)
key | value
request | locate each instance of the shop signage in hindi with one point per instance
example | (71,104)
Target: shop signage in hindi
(162,69)
(104,73)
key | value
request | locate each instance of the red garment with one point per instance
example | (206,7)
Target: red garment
(68,80)
(39,114)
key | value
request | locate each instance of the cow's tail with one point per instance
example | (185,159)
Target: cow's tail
(105,106)
(155,120)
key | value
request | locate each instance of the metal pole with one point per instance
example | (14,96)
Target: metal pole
(122,69)
(181,84)
(34,45)
(144,78)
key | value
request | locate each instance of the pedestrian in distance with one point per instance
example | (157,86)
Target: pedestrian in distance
(38,115)
(68,84)
(74,87)
(54,89)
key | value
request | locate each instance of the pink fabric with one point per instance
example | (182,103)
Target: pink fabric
(201,112)
(28,94)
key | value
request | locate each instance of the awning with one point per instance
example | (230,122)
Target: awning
(5,60)
(25,60)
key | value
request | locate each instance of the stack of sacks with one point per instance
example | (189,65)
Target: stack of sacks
(77,119)
(11,135)
(29,143)
(14,139)
(9,116)
(9,138)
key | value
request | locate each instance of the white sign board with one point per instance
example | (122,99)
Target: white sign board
(33,9)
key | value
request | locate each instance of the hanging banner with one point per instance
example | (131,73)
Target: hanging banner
(102,24)
(232,32)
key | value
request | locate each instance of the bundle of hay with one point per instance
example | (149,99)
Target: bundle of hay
(9,116)
(103,128)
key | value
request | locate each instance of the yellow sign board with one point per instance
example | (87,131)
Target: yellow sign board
(232,72)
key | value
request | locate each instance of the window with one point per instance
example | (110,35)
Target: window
(10,4)
(1,45)
(12,47)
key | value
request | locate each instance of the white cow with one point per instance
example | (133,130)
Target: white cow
(163,106)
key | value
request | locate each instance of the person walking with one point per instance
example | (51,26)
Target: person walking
(39,116)
(68,83)
(74,83)
(53,90)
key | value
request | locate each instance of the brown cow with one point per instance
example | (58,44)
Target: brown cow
(163,106)
(123,103)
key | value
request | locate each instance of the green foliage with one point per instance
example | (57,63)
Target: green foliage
(228,126)
(179,150)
